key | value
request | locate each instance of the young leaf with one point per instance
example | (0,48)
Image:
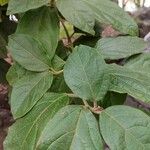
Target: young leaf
(123,127)
(28,90)
(120,47)
(73,127)
(84,73)
(15,6)
(41,24)
(29,53)
(83,14)
(25,132)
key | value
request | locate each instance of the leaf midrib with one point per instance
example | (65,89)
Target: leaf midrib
(38,119)
(34,56)
(42,77)
(88,82)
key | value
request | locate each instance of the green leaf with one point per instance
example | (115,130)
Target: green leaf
(136,84)
(78,13)
(74,128)
(15,73)
(83,14)
(29,53)
(120,47)
(43,26)
(140,63)
(15,6)
(84,73)
(25,132)
(89,77)
(123,127)
(3,2)
(28,90)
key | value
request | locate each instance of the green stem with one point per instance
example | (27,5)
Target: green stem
(86,103)
(95,104)
(67,33)
(71,95)
(54,72)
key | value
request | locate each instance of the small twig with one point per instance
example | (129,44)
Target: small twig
(72,35)
(54,72)
(71,95)
(86,103)
(95,104)
(66,31)
(96,109)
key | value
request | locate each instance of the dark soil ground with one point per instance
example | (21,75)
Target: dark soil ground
(5,115)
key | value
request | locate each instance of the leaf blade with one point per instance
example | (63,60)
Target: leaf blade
(15,6)
(136,84)
(120,47)
(72,119)
(140,62)
(28,129)
(46,27)
(28,90)
(121,128)
(83,15)
(16,72)
(28,52)
(86,77)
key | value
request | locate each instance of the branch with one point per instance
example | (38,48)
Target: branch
(66,31)
(96,109)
